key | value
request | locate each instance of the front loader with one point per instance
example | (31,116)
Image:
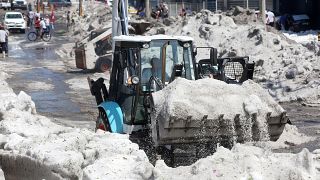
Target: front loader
(127,106)
(145,65)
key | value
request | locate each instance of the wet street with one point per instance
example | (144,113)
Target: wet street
(41,73)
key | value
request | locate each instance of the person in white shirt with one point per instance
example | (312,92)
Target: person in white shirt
(3,37)
(31,18)
(270,18)
(43,26)
(47,21)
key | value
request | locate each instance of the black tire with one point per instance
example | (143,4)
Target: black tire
(23,31)
(103,117)
(32,36)
(46,36)
(103,64)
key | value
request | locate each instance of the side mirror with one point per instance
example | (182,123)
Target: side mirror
(214,56)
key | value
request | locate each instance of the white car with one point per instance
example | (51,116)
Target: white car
(15,21)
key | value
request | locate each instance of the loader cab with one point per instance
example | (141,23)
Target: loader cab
(145,64)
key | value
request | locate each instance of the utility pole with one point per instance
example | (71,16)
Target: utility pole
(80,8)
(247,4)
(263,11)
(147,8)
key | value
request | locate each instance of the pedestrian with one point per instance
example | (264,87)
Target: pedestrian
(47,22)
(52,20)
(43,26)
(164,10)
(37,25)
(157,12)
(7,40)
(283,22)
(3,37)
(270,18)
(68,19)
(31,19)
(37,14)
(183,13)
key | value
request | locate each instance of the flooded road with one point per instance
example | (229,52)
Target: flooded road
(40,72)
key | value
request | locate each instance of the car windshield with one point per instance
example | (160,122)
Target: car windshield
(14,16)
(151,60)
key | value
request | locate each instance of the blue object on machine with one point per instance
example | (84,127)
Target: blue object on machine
(114,114)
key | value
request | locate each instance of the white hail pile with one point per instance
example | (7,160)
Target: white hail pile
(32,147)
(194,99)
(290,71)
(96,16)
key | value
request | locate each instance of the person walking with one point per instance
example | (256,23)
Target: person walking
(52,20)
(68,19)
(47,21)
(31,19)
(3,37)
(7,40)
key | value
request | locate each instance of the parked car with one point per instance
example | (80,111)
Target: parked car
(60,3)
(19,4)
(300,22)
(295,23)
(15,21)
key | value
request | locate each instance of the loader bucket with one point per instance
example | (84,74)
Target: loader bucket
(209,110)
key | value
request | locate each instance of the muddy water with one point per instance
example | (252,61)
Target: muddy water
(40,63)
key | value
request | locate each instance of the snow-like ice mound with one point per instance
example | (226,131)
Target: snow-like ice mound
(290,71)
(212,97)
(184,98)
(246,162)
(33,147)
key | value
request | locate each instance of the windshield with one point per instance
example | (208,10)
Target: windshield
(14,16)
(151,60)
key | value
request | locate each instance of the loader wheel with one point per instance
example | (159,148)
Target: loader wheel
(102,121)
(103,64)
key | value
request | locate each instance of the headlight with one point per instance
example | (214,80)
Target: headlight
(6,22)
(133,80)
